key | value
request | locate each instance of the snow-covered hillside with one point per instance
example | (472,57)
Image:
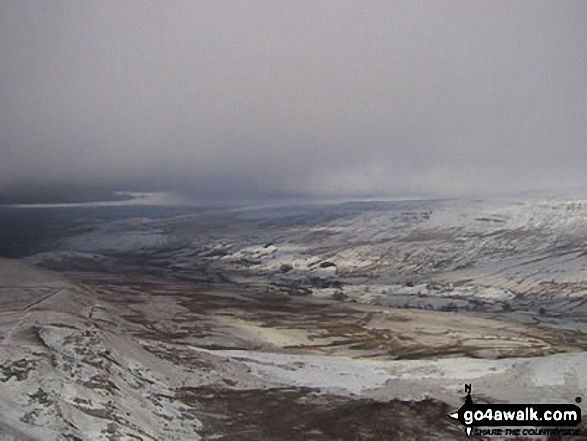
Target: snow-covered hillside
(166,326)
(520,257)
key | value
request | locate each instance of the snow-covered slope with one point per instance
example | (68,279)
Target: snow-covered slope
(524,257)
(65,372)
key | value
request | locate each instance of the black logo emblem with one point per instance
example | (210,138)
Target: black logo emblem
(472,415)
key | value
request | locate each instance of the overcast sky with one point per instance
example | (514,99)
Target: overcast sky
(229,99)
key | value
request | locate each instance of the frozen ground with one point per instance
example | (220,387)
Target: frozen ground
(184,323)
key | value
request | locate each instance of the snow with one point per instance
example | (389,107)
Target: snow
(356,375)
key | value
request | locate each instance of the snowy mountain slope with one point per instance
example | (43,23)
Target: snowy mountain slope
(66,375)
(523,258)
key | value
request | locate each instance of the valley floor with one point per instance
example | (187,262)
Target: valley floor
(95,357)
(353,321)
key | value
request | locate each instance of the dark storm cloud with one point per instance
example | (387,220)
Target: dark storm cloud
(253,98)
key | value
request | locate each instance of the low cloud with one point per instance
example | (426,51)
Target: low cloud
(222,100)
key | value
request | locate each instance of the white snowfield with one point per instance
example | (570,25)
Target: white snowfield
(495,242)
(507,237)
(67,366)
(64,374)
(67,362)
(551,378)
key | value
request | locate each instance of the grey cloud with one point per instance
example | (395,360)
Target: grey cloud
(258,99)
